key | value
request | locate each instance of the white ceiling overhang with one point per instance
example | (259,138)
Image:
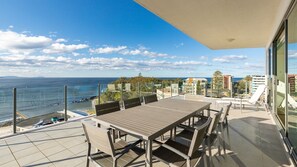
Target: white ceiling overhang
(222,24)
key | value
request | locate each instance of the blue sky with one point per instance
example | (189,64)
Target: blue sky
(106,38)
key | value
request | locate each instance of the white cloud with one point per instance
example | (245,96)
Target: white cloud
(75,54)
(203,57)
(229,58)
(62,48)
(253,66)
(61,40)
(292,54)
(179,45)
(92,63)
(21,43)
(191,63)
(124,50)
(107,50)
(10,27)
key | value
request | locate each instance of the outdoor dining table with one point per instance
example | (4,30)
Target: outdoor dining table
(147,122)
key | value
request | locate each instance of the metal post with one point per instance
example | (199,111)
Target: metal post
(152,88)
(246,87)
(122,91)
(231,91)
(163,90)
(170,89)
(138,87)
(65,103)
(211,89)
(14,109)
(99,93)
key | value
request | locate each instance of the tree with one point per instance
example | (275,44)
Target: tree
(217,82)
(198,88)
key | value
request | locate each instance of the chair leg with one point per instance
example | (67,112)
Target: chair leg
(219,138)
(209,150)
(114,163)
(174,132)
(223,136)
(88,154)
(204,156)
(113,135)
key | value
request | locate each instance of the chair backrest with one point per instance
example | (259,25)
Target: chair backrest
(226,112)
(132,102)
(214,122)
(256,96)
(150,99)
(106,108)
(198,137)
(99,138)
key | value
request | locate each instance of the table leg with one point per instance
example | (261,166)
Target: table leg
(148,154)
(208,112)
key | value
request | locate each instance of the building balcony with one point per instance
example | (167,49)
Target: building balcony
(252,139)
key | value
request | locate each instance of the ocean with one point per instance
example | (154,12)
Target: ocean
(38,96)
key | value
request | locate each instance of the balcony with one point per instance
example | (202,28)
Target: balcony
(252,140)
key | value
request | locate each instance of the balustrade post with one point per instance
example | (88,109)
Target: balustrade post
(138,87)
(99,93)
(14,109)
(65,103)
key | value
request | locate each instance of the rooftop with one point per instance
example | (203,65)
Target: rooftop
(252,140)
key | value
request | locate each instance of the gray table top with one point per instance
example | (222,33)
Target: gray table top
(150,121)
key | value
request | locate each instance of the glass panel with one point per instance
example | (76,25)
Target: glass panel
(280,78)
(292,78)
(38,106)
(130,90)
(270,79)
(5,111)
(109,93)
(80,100)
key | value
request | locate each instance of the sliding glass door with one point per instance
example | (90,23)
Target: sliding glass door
(292,78)
(280,87)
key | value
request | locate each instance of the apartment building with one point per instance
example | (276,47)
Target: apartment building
(190,86)
(227,82)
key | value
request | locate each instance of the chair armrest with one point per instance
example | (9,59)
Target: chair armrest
(188,128)
(176,151)
(128,147)
(214,110)
(172,149)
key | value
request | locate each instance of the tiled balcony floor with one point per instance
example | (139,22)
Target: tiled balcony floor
(252,140)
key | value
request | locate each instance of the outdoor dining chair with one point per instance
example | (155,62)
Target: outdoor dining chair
(150,98)
(109,154)
(223,123)
(212,131)
(174,153)
(106,108)
(132,102)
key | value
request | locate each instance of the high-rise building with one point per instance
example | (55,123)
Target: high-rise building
(256,81)
(227,82)
(292,78)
